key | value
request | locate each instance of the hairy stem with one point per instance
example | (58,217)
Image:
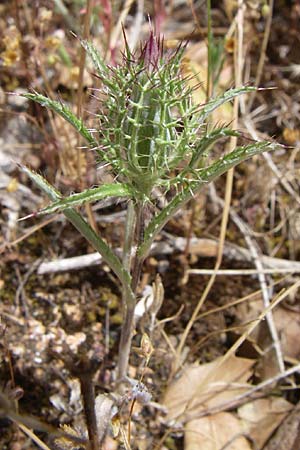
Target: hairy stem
(126,337)
(135,226)
(129,236)
(128,301)
(139,232)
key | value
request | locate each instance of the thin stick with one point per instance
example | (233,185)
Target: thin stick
(86,35)
(263,50)
(118,27)
(33,436)
(209,53)
(27,233)
(265,289)
(235,347)
(239,272)
(245,395)
(88,396)
(264,286)
(261,316)
(229,183)
(279,175)
(209,85)
(200,247)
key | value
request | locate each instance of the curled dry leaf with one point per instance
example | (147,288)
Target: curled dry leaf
(103,407)
(204,386)
(214,433)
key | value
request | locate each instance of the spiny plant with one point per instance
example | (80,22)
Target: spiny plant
(155,140)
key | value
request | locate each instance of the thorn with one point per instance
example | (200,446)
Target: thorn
(271,88)
(74,34)
(35,214)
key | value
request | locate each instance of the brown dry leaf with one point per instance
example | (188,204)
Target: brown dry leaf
(288,327)
(69,77)
(205,386)
(287,434)
(230,7)
(214,432)
(103,409)
(68,153)
(262,416)
(194,68)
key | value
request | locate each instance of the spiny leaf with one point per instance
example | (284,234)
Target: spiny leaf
(88,196)
(42,183)
(95,56)
(229,95)
(64,112)
(206,175)
(82,226)
(206,142)
(98,62)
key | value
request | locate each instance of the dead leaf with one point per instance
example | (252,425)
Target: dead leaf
(287,435)
(288,327)
(194,68)
(206,386)
(262,416)
(214,432)
(103,409)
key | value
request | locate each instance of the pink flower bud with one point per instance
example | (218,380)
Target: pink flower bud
(151,52)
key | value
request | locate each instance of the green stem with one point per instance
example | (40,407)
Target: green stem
(139,231)
(129,236)
(128,301)
(98,244)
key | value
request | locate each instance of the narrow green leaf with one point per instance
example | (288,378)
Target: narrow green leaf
(88,196)
(84,229)
(64,112)
(98,62)
(206,175)
(42,183)
(206,142)
(215,103)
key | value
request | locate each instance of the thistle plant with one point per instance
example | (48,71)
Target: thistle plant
(155,140)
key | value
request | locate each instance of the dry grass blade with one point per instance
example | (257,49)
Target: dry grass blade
(228,191)
(26,423)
